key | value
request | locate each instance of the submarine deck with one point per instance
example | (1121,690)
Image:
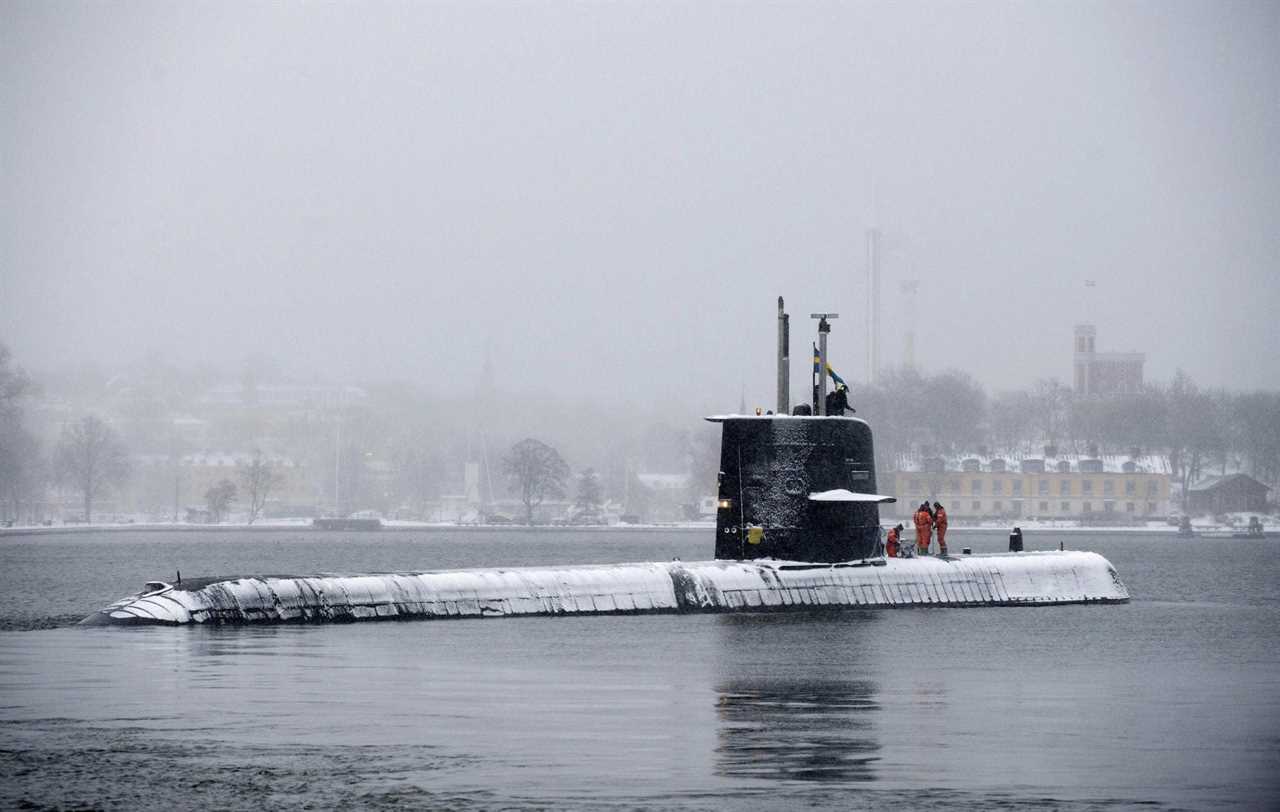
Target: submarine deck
(1022,579)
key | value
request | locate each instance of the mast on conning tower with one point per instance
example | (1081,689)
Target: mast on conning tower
(823,329)
(784,360)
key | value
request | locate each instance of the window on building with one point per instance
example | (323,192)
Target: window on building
(1044,507)
(1109,487)
(1130,487)
(1017,487)
(1151,507)
(1153,487)
(1128,507)
(975,487)
(977,506)
(1064,487)
(913,485)
(1109,507)
(1066,507)
(997,487)
(997,506)
(1044,487)
(953,486)
(1087,507)
(1086,487)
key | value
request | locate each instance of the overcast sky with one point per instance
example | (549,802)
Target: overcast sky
(614,194)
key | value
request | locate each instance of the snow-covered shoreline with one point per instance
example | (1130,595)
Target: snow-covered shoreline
(1271,524)
(285,525)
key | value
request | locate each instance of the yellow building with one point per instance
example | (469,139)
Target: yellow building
(1107,488)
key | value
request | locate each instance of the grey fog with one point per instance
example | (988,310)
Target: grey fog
(606,198)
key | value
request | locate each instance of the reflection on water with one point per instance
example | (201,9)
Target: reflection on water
(797,699)
(797,730)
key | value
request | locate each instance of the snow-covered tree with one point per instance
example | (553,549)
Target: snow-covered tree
(219,498)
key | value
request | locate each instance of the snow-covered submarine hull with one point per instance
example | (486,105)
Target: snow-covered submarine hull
(1026,579)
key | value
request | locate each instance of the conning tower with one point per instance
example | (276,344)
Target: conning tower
(797,487)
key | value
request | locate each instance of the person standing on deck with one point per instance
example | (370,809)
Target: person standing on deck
(838,401)
(924,528)
(940,522)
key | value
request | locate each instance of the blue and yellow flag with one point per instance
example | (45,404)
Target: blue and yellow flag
(817,365)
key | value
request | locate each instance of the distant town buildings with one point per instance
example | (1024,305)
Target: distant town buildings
(1109,487)
(1104,373)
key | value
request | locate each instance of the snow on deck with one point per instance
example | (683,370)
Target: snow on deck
(705,586)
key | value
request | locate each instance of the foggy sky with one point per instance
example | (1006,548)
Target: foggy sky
(613,195)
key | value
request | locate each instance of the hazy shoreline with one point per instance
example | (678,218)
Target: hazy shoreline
(439,527)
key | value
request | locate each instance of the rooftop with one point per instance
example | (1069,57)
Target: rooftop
(1014,463)
(1215,482)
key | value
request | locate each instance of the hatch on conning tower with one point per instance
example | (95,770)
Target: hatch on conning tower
(797,487)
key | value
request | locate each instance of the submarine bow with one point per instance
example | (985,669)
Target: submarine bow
(1025,579)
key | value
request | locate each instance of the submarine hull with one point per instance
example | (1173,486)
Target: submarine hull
(1026,579)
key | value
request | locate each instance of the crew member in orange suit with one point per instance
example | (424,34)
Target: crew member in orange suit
(940,522)
(891,542)
(924,528)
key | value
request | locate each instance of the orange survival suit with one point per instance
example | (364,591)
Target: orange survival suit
(924,529)
(940,522)
(891,543)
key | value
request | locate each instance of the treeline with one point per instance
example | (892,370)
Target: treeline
(398,448)
(1202,431)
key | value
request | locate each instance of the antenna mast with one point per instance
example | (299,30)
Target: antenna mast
(823,329)
(784,360)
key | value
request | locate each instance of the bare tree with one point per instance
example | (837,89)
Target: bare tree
(537,471)
(219,498)
(259,478)
(1051,404)
(1011,419)
(1194,431)
(91,459)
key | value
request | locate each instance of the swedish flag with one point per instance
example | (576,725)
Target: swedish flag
(817,366)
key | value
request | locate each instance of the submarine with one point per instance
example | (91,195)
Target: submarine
(797,528)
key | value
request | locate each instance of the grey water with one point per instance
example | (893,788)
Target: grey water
(1171,701)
